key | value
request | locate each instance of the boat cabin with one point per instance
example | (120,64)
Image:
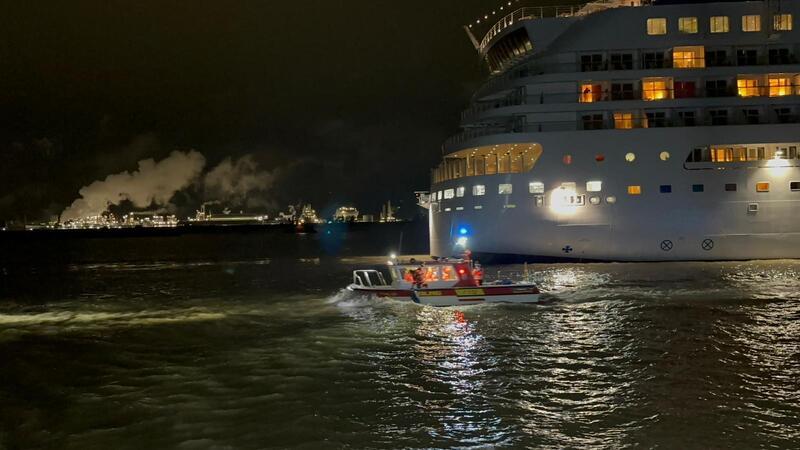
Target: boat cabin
(435,274)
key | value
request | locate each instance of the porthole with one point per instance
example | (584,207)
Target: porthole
(611,199)
(600,157)
(630,157)
(595,200)
(664,156)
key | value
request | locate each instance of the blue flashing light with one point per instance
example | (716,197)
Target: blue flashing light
(462,231)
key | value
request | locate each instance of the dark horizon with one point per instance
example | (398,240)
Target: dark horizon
(339,103)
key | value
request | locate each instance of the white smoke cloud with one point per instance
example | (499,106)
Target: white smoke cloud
(153,183)
(238,182)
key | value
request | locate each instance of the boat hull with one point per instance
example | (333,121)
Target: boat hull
(456,296)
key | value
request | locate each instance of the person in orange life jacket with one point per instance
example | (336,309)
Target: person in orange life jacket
(477,272)
(419,276)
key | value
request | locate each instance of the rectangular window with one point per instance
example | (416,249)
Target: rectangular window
(623,120)
(538,200)
(698,188)
(655,119)
(782,22)
(689,57)
(717,88)
(653,60)
(779,56)
(730,187)
(622,91)
(591,63)
(779,86)
(794,185)
(719,24)
(634,190)
(665,188)
(686,118)
(504,189)
(747,87)
(621,61)
(684,89)
(747,57)
(687,25)
(536,187)
(718,116)
(751,23)
(656,88)
(656,26)
(716,58)
(439,195)
(478,189)
(591,93)
(762,187)
(592,121)
(751,116)
(449,193)
(460,191)
(594,186)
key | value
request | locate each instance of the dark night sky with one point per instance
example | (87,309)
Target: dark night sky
(348,100)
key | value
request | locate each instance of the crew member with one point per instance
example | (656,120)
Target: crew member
(419,276)
(477,272)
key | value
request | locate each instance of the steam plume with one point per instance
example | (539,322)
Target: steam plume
(236,182)
(154,183)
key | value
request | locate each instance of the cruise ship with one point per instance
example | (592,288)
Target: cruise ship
(627,131)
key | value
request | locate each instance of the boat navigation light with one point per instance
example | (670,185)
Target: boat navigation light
(462,241)
(393,256)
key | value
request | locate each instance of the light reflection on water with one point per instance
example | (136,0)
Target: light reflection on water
(229,355)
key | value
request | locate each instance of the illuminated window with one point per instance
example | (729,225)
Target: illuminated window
(656,88)
(599,157)
(719,24)
(687,24)
(663,156)
(504,189)
(751,23)
(689,57)
(779,86)
(567,159)
(762,187)
(747,87)
(594,186)
(439,195)
(611,199)
(623,120)
(656,26)
(630,157)
(449,193)
(634,190)
(591,93)
(782,22)
(595,200)
(460,191)
(478,189)
(536,187)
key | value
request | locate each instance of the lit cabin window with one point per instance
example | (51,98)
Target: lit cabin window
(630,157)
(478,189)
(449,193)
(594,200)
(762,187)
(782,22)
(590,93)
(719,24)
(689,57)
(687,25)
(751,23)
(504,189)
(439,195)
(634,190)
(779,86)
(663,156)
(747,87)
(594,186)
(536,187)
(611,199)
(656,88)
(623,120)
(460,191)
(657,26)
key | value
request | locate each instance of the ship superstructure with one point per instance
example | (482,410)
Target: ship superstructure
(628,131)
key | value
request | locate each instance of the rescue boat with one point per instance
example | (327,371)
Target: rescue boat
(440,283)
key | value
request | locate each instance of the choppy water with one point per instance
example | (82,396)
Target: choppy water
(271,354)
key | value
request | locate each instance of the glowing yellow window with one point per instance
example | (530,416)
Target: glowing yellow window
(751,23)
(590,93)
(719,24)
(747,87)
(634,190)
(762,187)
(782,22)
(656,88)
(689,57)
(780,86)
(623,120)
(687,25)
(656,26)
(722,154)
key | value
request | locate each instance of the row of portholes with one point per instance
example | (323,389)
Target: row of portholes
(629,157)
